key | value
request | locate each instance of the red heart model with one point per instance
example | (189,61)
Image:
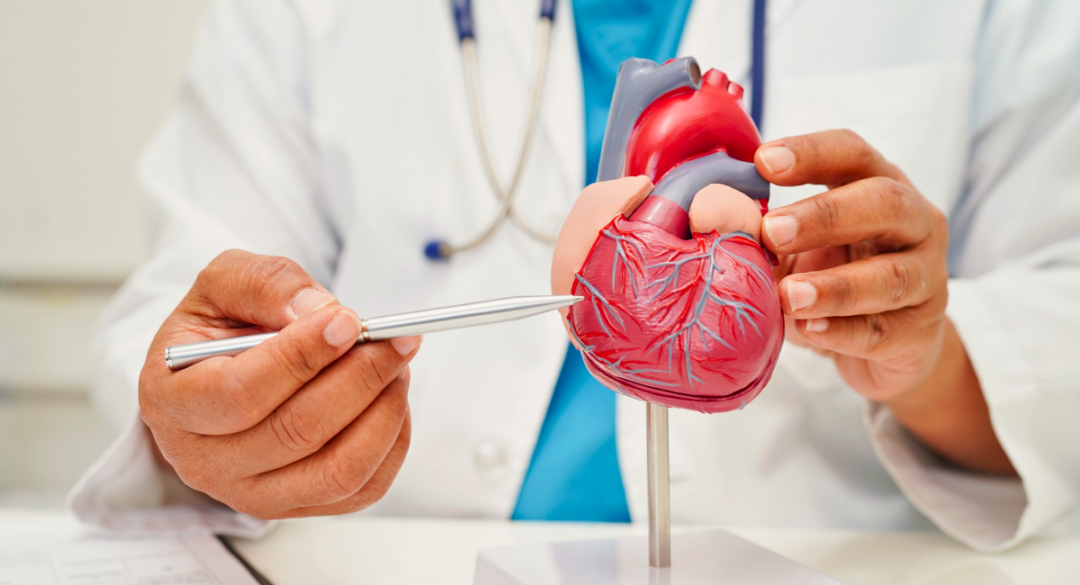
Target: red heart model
(683,320)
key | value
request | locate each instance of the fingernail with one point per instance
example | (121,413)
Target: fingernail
(778,159)
(343,328)
(800,294)
(308,300)
(406,345)
(817,325)
(405,375)
(781,229)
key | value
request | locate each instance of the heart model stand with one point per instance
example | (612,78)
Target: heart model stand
(700,557)
(659,486)
(709,557)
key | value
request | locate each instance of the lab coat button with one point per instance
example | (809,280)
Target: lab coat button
(490,460)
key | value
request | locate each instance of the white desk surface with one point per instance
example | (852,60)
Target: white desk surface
(377,551)
(407,551)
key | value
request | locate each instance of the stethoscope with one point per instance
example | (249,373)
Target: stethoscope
(463,20)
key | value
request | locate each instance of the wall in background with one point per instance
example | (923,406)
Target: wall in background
(85,84)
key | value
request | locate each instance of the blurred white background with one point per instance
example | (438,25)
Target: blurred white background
(85,84)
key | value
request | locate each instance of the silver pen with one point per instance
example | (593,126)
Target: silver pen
(380,328)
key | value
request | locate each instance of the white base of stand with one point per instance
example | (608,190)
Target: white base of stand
(697,558)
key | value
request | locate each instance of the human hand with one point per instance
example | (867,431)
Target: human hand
(862,275)
(305,423)
(863,279)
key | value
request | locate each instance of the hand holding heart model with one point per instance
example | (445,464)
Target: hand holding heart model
(680,307)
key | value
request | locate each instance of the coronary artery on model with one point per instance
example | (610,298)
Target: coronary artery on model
(675,318)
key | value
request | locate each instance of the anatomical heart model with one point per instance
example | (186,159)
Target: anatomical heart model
(680,307)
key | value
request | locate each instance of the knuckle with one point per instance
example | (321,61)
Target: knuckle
(253,497)
(938,248)
(940,278)
(254,508)
(935,306)
(876,332)
(849,136)
(805,146)
(266,273)
(229,256)
(824,209)
(904,205)
(897,280)
(892,196)
(192,478)
(405,434)
(860,153)
(932,283)
(865,154)
(243,506)
(198,477)
(371,494)
(397,401)
(269,267)
(147,389)
(939,224)
(361,500)
(369,369)
(240,408)
(293,361)
(242,418)
(843,293)
(379,485)
(810,150)
(939,220)
(297,432)
(344,475)
(219,267)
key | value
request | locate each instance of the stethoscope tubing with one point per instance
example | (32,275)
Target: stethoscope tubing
(506,193)
(463,22)
(441,250)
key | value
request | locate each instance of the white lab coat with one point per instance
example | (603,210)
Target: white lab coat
(337,133)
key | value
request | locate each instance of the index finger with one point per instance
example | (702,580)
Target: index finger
(831,158)
(890,213)
(226,395)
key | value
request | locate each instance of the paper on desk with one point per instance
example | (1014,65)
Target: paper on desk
(58,551)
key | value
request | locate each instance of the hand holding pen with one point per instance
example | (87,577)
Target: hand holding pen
(310,419)
(307,423)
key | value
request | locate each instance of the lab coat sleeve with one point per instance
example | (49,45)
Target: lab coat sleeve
(1015,293)
(233,167)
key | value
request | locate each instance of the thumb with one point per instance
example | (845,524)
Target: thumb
(269,291)
(597,205)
